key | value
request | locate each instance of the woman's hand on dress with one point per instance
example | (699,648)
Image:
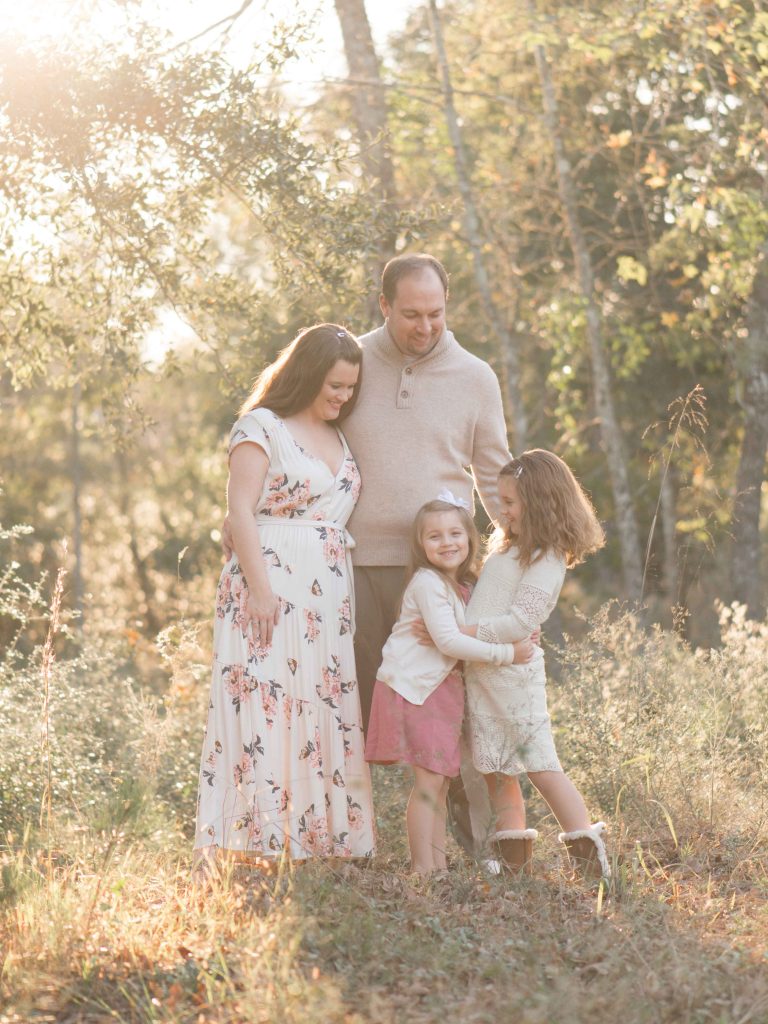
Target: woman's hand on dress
(263,613)
(421,633)
(536,636)
(523,651)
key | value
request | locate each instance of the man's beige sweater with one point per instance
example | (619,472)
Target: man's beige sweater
(416,426)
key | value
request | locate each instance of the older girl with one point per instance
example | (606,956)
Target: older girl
(548,525)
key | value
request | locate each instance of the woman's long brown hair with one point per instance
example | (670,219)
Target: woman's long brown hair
(556,513)
(294,380)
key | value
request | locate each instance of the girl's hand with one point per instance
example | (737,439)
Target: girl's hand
(422,634)
(523,651)
(536,637)
(262,612)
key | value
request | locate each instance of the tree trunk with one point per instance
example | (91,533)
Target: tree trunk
(477,242)
(629,538)
(154,624)
(370,112)
(752,367)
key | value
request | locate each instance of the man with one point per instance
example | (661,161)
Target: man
(427,409)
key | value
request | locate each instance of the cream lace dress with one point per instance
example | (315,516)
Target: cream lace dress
(508,725)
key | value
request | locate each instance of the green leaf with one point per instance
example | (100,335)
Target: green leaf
(629,269)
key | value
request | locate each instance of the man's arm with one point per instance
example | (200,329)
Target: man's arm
(490,446)
(227,540)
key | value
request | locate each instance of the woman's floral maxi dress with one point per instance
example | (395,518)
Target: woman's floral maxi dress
(282,765)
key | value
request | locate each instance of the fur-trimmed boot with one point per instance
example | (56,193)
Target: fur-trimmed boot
(586,851)
(514,849)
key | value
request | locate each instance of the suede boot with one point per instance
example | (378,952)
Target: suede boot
(586,852)
(514,849)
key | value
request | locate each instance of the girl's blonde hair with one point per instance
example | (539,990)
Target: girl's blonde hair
(467,571)
(556,515)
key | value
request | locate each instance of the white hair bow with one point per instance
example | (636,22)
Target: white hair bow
(445,495)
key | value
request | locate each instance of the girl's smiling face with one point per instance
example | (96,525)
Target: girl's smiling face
(511,506)
(445,541)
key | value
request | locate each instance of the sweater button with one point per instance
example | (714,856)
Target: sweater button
(403,394)
(408,370)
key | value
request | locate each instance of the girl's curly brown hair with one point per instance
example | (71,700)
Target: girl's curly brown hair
(556,514)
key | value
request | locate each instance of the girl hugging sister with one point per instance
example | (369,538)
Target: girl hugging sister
(548,525)
(418,700)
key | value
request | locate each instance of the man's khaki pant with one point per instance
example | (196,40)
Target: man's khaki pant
(378,590)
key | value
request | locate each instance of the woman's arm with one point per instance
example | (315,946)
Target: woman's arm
(437,611)
(248,465)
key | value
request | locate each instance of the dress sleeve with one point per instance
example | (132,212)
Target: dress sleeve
(256,427)
(535,597)
(437,610)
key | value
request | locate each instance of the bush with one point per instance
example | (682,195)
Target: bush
(666,737)
(117,752)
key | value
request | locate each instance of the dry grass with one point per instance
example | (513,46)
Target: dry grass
(100,923)
(119,934)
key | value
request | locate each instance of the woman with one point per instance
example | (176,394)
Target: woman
(282,766)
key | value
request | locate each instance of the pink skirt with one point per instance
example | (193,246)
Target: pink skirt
(426,735)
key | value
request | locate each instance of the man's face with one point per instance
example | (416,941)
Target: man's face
(416,316)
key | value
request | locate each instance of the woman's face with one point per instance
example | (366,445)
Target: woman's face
(338,387)
(511,506)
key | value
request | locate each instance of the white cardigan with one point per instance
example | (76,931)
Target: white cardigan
(415,670)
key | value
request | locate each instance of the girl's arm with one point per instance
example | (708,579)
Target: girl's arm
(535,597)
(248,465)
(437,610)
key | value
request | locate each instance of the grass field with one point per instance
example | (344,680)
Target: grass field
(99,921)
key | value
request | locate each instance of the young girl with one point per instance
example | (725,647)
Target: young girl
(418,700)
(548,525)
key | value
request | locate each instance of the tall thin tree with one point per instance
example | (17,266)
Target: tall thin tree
(610,432)
(506,343)
(370,112)
(76,470)
(752,366)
